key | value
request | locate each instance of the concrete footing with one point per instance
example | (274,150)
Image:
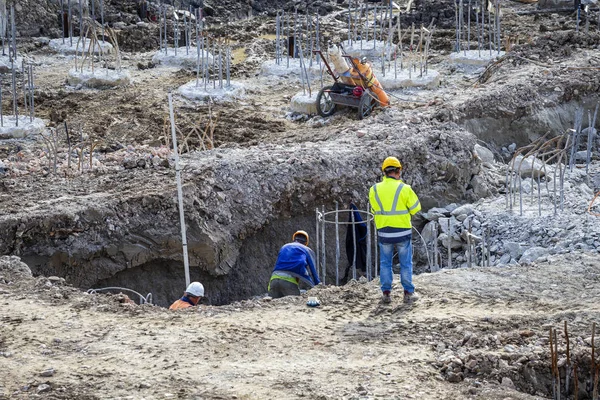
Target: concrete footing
(26,127)
(190,91)
(303,104)
(370,49)
(7,66)
(475,57)
(84,44)
(182,59)
(100,78)
(271,68)
(403,79)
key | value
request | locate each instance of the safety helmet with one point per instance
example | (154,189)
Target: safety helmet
(302,233)
(195,289)
(391,162)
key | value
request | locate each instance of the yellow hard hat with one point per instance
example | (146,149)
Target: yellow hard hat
(391,162)
(303,233)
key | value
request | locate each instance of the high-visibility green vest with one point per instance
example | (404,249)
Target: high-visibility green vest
(393,203)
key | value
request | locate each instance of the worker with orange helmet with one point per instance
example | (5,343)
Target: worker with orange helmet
(192,295)
(393,202)
(295,263)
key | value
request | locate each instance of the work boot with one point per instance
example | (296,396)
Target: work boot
(410,297)
(387,298)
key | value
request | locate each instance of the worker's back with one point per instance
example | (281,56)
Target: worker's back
(179,305)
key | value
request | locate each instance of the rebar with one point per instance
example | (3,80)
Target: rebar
(220,67)
(552,366)
(14,93)
(1,112)
(186,34)
(568,365)
(228,67)
(591,129)
(277,38)
(70,17)
(324,265)
(13,30)
(469,27)
(376,240)
(318,242)
(353,245)
(449,242)
(556,367)
(369,274)
(593,360)
(349,24)
(32,92)
(469,254)
(337,245)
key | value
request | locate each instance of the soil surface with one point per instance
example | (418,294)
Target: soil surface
(65,344)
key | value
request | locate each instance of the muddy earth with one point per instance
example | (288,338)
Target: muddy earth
(92,203)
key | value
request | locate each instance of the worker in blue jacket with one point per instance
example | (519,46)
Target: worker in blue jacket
(291,268)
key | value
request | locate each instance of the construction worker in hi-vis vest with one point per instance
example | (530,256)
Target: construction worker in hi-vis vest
(393,203)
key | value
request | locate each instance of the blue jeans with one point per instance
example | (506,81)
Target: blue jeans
(386,253)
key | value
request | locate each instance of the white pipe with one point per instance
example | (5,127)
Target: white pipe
(186,264)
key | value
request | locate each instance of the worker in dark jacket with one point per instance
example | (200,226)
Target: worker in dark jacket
(291,268)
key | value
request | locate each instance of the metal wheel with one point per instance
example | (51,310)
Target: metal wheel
(325,105)
(367,103)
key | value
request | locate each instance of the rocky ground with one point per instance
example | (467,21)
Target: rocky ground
(107,216)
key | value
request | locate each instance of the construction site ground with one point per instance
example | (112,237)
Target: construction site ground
(351,347)
(476,333)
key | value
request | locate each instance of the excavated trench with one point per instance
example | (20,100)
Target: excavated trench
(525,127)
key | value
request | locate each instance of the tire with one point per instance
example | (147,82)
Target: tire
(325,105)
(366,105)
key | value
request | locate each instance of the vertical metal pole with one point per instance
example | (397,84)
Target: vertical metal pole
(277,38)
(318,38)
(160,35)
(14,30)
(353,245)
(14,92)
(490,28)
(186,34)
(349,24)
(287,41)
(229,66)
(469,27)
(220,67)
(166,32)
(375,236)
(498,25)
(1,112)
(317,232)
(214,65)
(435,247)
(186,264)
(24,84)
(449,243)
(32,96)
(198,51)
(337,245)
(469,255)
(483,245)
(324,265)
(369,274)
(62,21)
(81,23)
(102,17)
(70,11)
